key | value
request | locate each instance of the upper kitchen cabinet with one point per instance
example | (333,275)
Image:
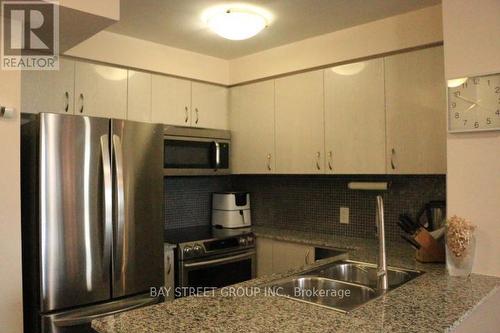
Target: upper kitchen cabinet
(209,106)
(139,96)
(49,91)
(300,123)
(416,112)
(171,101)
(355,118)
(252,128)
(100,91)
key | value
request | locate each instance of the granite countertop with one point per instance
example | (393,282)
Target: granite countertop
(433,302)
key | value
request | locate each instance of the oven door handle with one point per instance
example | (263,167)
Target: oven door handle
(220,260)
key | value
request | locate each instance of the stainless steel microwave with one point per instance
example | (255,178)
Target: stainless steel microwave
(196,151)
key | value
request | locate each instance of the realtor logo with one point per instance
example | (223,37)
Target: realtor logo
(30,35)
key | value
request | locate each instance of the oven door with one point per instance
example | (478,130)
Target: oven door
(195,156)
(217,271)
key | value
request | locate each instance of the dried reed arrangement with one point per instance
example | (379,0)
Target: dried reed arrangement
(459,233)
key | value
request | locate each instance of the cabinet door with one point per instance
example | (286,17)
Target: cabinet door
(49,91)
(416,112)
(100,91)
(355,118)
(210,106)
(288,256)
(139,96)
(264,256)
(171,101)
(299,124)
(252,128)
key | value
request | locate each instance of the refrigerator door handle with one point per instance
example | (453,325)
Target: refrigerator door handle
(120,205)
(108,198)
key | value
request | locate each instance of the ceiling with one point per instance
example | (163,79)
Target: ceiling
(177,23)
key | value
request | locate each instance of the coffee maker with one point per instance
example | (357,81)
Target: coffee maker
(231,210)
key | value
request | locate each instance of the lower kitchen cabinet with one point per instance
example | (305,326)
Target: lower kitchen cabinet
(275,256)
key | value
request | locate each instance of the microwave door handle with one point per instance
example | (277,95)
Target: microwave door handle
(217,155)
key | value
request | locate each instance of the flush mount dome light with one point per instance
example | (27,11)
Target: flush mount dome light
(236,22)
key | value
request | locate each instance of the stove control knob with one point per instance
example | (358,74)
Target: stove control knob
(250,240)
(188,251)
(197,249)
(242,241)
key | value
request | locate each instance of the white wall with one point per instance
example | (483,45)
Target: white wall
(472,46)
(399,32)
(11,312)
(137,53)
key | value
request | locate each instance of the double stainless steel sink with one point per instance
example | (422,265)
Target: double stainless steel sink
(342,285)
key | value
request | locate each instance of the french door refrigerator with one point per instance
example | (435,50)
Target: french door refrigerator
(92,218)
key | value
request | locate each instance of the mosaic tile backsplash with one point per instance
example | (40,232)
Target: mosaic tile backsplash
(304,203)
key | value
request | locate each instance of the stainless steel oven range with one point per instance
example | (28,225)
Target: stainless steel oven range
(208,257)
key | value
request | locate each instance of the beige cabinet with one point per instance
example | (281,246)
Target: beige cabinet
(171,100)
(100,91)
(355,118)
(287,256)
(209,106)
(49,91)
(264,256)
(416,112)
(252,128)
(300,124)
(139,96)
(275,256)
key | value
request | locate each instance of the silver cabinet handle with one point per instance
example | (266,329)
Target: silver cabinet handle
(197,116)
(318,156)
(108,199)
(330,160)
(187,114)
(393,154)
(66,96)
(269,162)
(217,155)
(120,205)
(81,99)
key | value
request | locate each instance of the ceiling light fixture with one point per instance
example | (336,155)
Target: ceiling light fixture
(236,21)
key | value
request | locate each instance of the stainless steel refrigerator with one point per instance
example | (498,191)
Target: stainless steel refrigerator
(92,218)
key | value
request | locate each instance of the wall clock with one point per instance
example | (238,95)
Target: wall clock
(474,104)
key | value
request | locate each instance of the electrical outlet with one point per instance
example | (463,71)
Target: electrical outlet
(344,215)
